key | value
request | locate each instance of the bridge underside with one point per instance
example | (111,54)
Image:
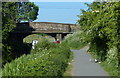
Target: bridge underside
(56,30)
(22,30)
(18,37)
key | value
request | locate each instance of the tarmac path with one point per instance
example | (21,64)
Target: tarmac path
(82,66)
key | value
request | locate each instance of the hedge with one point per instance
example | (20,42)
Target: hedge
(49,62)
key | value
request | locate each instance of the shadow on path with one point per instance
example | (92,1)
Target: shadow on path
(82,66)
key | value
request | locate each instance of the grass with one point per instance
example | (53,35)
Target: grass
(74,41)
(70,66)
(107,67)
(0,72)
(49,64)
(32,37)
(29,39)
(43,63)
(68,71)
(79,47)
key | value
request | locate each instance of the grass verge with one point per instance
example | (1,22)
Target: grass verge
(107,67)
(48,59)
(0,72)
(68,71)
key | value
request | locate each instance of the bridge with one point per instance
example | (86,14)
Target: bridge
(56,30)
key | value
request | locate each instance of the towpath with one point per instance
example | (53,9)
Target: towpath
(82,66)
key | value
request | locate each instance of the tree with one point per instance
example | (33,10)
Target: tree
(100,23)
(8,18)
(8,23)
(26,11)
(12,13)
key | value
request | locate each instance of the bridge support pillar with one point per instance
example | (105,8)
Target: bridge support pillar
(59,36)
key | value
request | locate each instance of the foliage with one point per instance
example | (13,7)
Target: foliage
(8,19)
(8,16)
(68,71)
(112,70)
(6,57)
(26,11)
(11,13)
(112,56)
(38,37)
(43,44)
(52,62)
(75,40)
(101,26)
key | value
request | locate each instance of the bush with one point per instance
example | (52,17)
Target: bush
(43,44)
(101,27)
(50,62)
(6,54)
(75,40)
(112,57)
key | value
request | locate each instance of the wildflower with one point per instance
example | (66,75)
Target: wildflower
(72,60)
(69,63)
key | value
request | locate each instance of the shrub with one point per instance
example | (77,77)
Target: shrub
(75,40)
(49,62)
(43,44)
(112,57)
(102,27)
(6,54)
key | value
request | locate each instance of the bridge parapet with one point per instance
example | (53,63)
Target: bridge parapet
(45,27)
(56,30)
(49,27)
(75,27)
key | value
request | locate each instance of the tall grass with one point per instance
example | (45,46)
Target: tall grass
(75,40)
(78,40)
(32,37)
(0,72)
(112,62)
(48,59)
(69,68)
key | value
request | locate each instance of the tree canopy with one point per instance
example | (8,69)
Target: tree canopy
(101,26)
(15,12)
(26,11)
(12,13)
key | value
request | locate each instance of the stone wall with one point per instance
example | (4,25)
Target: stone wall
(75,27)
(47,27)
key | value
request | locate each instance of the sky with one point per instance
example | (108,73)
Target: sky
(61,0)
(59,12)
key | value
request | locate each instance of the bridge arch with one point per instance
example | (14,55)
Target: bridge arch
(56,30)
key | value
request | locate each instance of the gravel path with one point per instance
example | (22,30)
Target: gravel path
(82,66)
